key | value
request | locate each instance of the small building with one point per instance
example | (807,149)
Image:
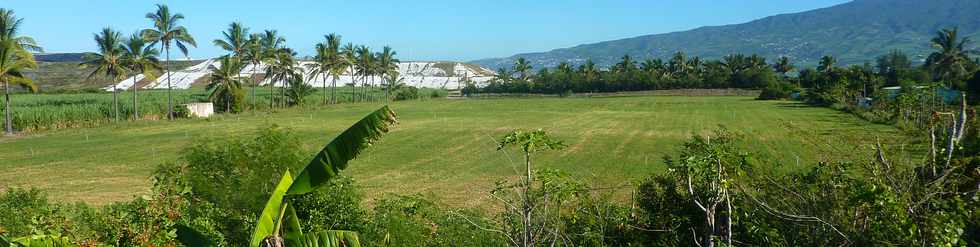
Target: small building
(200,110)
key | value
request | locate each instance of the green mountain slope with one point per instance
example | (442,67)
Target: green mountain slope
(853,32)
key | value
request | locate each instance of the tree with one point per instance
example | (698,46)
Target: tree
(388,64)
(529,143)
(827,64)
(783,66)
(365,66)
(951,57)
(283,68)
(166,30)
(328,60)
(270,44)
(108,62)
(140,58)
(338,63)
(321,65)
(254,54)
(522,66)
(15,59)
(226,83)
(894,66)
(349,52)
(236,39)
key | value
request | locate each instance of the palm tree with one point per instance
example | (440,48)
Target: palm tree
(282,68)
(226,80)
(387,64)
(364,64)
(270,44)
(350,56)
(626,64)
(320,66)
(951,55)
(166,29)
(139,58)
(338,63)
(15,59)
(326,61)
(254,54)
(108,61)
(522,66)
(827,64)
(236,39)
(783,66)
(13,62)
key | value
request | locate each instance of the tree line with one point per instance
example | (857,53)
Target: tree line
(143,53)
(950,65)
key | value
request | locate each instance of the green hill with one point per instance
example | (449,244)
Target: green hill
(853,32)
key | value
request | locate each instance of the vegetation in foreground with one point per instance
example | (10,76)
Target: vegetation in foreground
(712,193)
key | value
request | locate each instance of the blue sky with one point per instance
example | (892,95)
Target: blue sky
(418,30)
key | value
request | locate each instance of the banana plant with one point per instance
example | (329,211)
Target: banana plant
(279,217)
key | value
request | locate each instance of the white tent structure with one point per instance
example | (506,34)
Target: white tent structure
(417,74)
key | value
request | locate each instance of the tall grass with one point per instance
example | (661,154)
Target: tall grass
(33,112)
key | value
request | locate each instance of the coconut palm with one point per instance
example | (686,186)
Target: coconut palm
(15,59)
(108,62)
(783,66)
(167,31)
(226,80)
(626,64)
(827,64)
(951,56)
(254,55)
(522,66)
(270,44)
(387,64)
(338,63)
(326,61)
(364,64)
(236,39)
(282,68)
(140,58)
(349,52)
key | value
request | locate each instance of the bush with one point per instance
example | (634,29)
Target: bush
(777,90)
(416,221)
(230,101)
(337,206)
(407,93)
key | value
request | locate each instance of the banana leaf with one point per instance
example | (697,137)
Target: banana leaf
(345,147)
(328,239)
(267,221)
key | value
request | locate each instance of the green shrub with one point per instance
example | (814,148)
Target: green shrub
(416,221)
(777,90)
(336,206)
(407,93)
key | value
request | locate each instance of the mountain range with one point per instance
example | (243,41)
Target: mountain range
(853,32)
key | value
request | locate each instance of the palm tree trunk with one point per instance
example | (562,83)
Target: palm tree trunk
(136,104)
(8,122)
(115,103)
(333,91)
(272,94)
(324,88)
(255,83)
(170,95)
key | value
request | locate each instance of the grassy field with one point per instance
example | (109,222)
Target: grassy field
(446,148)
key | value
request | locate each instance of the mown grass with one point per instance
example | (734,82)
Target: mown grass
(445,148)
